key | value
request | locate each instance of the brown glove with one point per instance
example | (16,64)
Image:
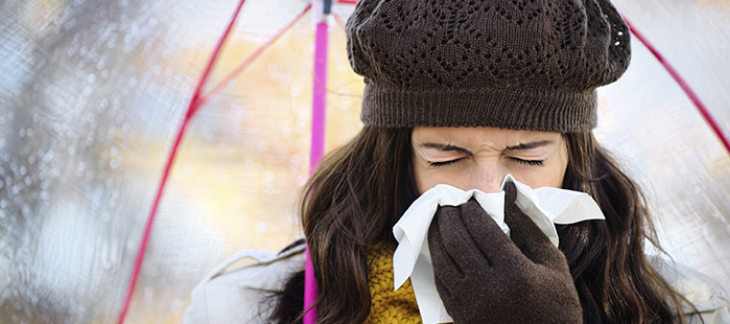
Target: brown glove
(484,277)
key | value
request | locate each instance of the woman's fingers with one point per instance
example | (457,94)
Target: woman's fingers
(442,287)
(444,266)
(456,240)
(525,234)
(489,238)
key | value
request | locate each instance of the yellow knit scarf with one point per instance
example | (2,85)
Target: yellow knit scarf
(389,306)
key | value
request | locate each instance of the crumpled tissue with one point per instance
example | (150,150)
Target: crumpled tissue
(545,206)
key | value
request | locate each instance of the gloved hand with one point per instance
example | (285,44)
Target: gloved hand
(484,277)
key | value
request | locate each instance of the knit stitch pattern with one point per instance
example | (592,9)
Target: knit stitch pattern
(389,306)
(517,64)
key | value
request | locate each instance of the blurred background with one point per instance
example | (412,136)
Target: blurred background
(93,91)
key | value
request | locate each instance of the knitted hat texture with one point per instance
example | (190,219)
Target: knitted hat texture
(517,64)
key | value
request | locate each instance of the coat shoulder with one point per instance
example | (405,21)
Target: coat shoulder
(709,298)
(230,294)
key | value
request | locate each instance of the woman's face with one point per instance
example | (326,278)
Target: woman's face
(480,157)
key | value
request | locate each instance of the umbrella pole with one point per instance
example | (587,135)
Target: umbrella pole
(320,15)
(319,95)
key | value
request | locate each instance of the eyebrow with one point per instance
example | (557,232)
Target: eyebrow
(445,147)
(449,147)
(530,145)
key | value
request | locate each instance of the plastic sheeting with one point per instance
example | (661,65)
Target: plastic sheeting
(92,91)
(651,125)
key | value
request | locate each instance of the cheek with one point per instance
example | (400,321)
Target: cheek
(418,174)
(425,178)
(428,177)
(562,165)
(550,175)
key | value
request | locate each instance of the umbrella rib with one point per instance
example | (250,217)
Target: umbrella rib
(192,108)
(245,63)
(684,85)
(338,18)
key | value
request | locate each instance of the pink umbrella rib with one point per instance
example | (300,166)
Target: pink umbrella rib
(338,18)
(192,108)
(684,85)
(243,65)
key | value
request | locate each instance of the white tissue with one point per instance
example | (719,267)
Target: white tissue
(545,206)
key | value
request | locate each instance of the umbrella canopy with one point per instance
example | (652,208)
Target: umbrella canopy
(663,139)
(92,94)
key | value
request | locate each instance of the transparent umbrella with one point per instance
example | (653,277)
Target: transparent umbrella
(92,94)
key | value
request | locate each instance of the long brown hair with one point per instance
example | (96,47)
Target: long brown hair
(360,191)
(615,282)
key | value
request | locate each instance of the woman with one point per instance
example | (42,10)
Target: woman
(464,93)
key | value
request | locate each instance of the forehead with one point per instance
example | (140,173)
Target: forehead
(469,136)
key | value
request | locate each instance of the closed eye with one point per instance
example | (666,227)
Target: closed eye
(444,163)
(529,162)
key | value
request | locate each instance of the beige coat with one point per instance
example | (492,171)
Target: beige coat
(225,297)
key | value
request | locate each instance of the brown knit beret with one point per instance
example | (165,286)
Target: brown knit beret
(518,64)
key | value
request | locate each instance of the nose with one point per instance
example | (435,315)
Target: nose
(488,177)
